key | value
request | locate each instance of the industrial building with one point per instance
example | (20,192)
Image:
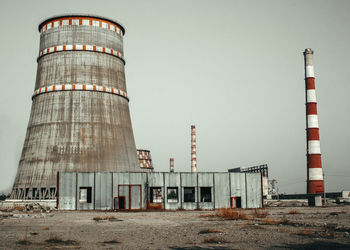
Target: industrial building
(158,190)
(80,148)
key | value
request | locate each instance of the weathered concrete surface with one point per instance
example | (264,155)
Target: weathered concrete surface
(76,130)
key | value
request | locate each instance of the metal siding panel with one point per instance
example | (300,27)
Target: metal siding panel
(103,191)
(222,192)
(155,179)
(189,180)
(206,180)
(135,194)
(86,180)
(254,190)
(172,180)
(140,179)
(67,192)
(238,187)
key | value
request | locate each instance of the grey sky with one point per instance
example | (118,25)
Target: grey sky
(232,68)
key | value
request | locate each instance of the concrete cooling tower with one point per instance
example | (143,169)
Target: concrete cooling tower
(80,119)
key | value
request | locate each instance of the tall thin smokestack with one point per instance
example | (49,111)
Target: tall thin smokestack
(171,165)
(193,149)
(315,182)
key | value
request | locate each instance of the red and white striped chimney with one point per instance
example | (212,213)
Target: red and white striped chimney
(171,165)
(193,149)
(315,183)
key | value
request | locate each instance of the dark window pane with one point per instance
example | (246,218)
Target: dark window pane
(205,194)
(189,194)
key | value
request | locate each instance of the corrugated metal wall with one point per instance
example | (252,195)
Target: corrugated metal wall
(212,190)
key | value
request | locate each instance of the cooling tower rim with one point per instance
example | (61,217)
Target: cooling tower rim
(80,15)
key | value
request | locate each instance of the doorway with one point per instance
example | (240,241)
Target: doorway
(236,202)
(121,202)
(129,197)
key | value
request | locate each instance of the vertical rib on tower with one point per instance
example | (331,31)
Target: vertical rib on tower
(314,165)
(193,149)
(80,119)
(171,165)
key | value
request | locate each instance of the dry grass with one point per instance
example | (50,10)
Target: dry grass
(114,241)
(231,214)
(271,222)
(155,206)
(305,232)
(210,230)
(207,215)
(294,211)
(260,213)
(19,208)
(283,221)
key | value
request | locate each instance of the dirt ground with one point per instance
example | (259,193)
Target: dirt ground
(269,228)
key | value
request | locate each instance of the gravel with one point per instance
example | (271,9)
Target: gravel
(302,228)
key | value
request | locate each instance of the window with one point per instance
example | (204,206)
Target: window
(189,194)
(156,195)
(85,195)
(173,196)
(205,194)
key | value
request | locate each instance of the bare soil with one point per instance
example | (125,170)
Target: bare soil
(270,228)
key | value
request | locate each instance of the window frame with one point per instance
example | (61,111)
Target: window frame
(152,195)
(171,200)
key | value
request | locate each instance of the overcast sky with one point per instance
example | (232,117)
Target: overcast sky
(234,69)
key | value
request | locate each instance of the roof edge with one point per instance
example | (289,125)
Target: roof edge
(80,15)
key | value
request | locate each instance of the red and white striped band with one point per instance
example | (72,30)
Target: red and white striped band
(81,87)
(83,47)
(309,69)
(315,174)
(81,21)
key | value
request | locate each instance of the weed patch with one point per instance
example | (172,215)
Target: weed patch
(260,213)
(305,232)
(294,211)
(54,239)
(231,214)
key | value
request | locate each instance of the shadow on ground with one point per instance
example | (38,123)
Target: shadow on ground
(201,248)
(320,245)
